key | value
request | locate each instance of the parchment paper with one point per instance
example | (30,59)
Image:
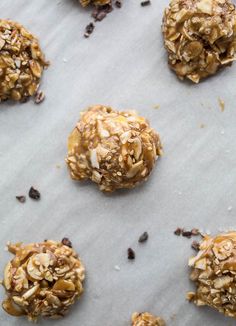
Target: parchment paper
(123,64)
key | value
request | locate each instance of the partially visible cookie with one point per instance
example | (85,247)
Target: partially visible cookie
(43,279)
(200,36)
(85,3)
(21,62)
(213,271)
(146,319)
(112,148)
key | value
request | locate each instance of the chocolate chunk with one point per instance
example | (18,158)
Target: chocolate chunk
(66,242)
(145,3)
(131,254)
(21,199)
(34,193)
(143,237)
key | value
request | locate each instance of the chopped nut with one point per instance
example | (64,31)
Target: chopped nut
(146,319)
(114,149)
(213,271)
(195,245)
(199,37)
(21,62)
(43,279)
(39,97)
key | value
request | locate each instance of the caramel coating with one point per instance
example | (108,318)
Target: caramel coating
(213,271)
(43,279)
(146,319)
(114,149)
(200,36)
(21,62)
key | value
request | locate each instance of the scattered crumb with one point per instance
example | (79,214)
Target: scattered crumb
(39,97)
(143,237)
(157,106)
(131,254)
(58,166)
(187,234)
(178,231)
(117,268)
(145,3)
(34,193)
(89,30)
(202,125)
(221,104)
(21,199)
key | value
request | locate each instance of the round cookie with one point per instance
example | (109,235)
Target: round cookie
(114,149)
(146,319)
(200,36)
(43,279)
(213,272)
(21,62)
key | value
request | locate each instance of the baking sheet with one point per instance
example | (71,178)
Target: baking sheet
(123,64)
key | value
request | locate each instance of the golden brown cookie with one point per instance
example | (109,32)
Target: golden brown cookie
(200,36)
(213,272)
(43,279)
(114,149)
(21,62)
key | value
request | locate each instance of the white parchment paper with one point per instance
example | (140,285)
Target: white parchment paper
(123,64)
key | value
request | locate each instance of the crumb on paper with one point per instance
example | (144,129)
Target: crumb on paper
(157,107)
(221,104)
(202,125)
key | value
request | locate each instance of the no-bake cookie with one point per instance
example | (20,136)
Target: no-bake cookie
(114,149)
(200,36)
(43,279)
(213,272)
(21,62)
(146,319)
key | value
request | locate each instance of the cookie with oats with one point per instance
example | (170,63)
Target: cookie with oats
(21,62)
(146,319)
(114,149)
(43,279)
(200,36)
(213,272)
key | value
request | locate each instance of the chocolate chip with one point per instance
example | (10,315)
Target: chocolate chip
(89,30)
(186,234)
(178,231)
(21,199)
(195,245)
(145,3)
(118,4)
(143,237)
(131,254)
(34,193)
(66,242)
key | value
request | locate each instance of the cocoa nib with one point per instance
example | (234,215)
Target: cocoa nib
(89,30)
(131,254)
(21,199)
(66,242)
(145,3)
(34,193)
(143,237)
